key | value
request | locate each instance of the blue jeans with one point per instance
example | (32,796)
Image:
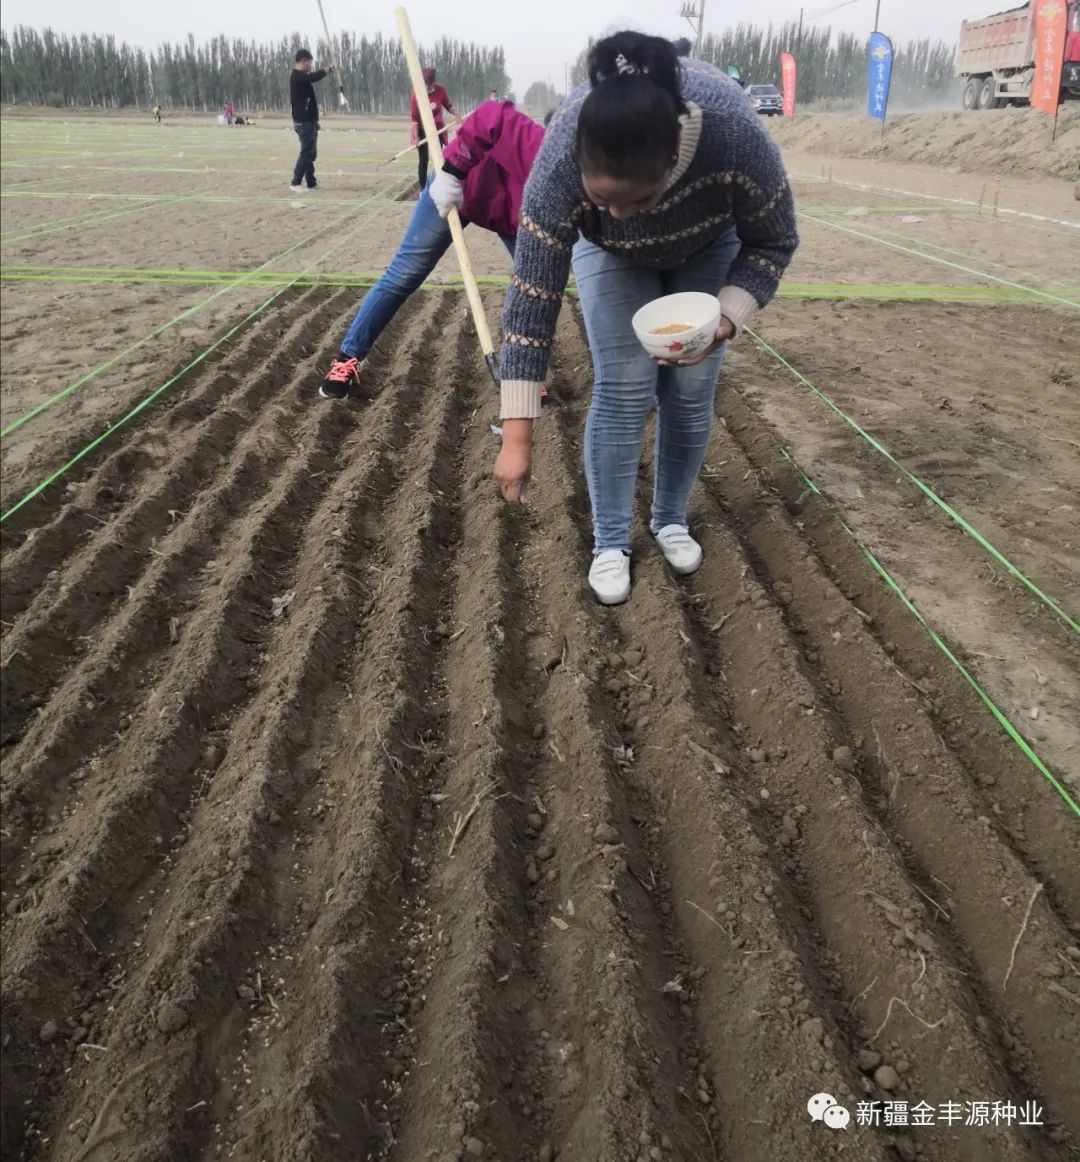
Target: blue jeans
(626,382)
(427,238)
(308,132)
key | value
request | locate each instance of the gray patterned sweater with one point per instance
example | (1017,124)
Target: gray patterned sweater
(729,173)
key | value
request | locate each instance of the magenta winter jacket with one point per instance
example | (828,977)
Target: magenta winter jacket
(492,155)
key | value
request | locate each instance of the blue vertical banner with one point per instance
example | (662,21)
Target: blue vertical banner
(881,58)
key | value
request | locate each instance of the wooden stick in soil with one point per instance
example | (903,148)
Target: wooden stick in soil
(1020,936)
(458,235)
(461,822)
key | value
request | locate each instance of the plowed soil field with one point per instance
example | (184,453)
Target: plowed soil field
(340,823)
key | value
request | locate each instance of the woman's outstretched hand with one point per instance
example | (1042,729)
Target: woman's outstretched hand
(724,332)
(514,464)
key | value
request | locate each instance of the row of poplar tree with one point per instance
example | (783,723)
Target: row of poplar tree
(49,68)
(830,66)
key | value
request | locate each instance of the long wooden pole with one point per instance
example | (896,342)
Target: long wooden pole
(435,147)
(414,145)
(342,99)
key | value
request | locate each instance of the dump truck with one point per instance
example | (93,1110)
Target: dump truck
(996,57)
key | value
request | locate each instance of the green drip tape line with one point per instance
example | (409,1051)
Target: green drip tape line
(923,209)
(265,199)
(925,488)
(89,218)
(881,292)
(934,258)
(228,172)
(936,638)
(93,216)
(955,253)
(18,423)
(149,399)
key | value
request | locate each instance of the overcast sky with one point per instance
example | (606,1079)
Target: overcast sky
(538,42)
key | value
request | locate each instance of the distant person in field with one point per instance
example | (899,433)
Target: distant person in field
(228,113)
(493,95)
(157,113)
(439,101)
(683,46)
(305,115)
(483,176)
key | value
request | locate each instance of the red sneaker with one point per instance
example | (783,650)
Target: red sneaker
(344,373)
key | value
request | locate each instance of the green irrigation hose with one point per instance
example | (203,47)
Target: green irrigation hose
(89,218)
(923,487)
(149,399)
(934,258)
(877,292)
(129,169)
(999,715)
(265,199)
(957,253)
(29,415)
(829,209)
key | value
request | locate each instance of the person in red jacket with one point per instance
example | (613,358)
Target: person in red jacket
(439,101)
(483,177)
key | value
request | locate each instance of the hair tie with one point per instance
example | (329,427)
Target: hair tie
(625,68)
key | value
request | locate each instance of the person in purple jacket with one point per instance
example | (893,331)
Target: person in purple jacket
(483,177)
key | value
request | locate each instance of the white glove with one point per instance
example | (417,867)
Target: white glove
(446,193)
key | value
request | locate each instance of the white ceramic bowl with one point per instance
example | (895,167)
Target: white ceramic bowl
(700,311)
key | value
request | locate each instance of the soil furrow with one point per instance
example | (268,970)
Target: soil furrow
(873,922)
(892,744)
(68,603)
(323,1082)
(463,912)
(39,533)
(730,911)
(217,893)
(1026,813)
(93,703)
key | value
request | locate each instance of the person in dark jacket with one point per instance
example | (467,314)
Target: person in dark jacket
(305,115)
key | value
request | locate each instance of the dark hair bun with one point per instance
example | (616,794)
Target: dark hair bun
(629,122)
(628,54)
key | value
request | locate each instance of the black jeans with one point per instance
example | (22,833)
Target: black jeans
(308,132)
(422,155)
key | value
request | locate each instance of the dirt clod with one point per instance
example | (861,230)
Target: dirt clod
(171,1018)
(605,834)
(843,758)
(886,1078)
(48,1032)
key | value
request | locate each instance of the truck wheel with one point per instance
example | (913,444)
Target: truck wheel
(971,94)
(987,98)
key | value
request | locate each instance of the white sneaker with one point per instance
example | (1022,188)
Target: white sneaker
(680,549)
(609,576)
(297,189)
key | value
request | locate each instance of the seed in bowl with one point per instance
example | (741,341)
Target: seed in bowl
(671,329)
